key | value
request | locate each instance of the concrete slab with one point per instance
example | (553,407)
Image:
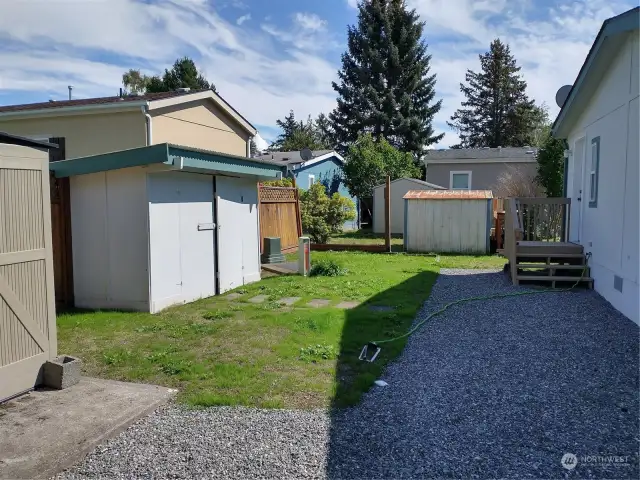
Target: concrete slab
(46,431)
(348,304)
(288,300)
(319,302)
(232,296)
(258,299)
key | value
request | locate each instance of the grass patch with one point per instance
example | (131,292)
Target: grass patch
(218,352)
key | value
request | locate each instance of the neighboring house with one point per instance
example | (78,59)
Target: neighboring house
(477,168)
(120,223)
(399,189)
(324,166)
(599,120)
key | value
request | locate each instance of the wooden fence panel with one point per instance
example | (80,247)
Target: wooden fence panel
(279,211)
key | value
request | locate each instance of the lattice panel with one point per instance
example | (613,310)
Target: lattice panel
(277,194)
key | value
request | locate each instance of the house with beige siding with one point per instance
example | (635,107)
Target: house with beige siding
(478,168)
(181,143)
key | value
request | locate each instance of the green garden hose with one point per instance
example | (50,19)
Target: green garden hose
(374,345)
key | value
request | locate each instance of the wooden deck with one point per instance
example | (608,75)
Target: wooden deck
(537,246)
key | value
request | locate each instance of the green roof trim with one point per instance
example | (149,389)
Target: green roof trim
(612,27)
(173,156)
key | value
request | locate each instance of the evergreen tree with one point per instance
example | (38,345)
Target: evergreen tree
(297,135)
(497,111)
(551,166)
(183,74)
(324,131)
(385,87)
(289,125)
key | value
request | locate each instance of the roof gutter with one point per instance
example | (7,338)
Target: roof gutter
(56,111)
(145,112)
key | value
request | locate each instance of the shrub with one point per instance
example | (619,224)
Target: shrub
(323,216)
(327,268)
(283,182)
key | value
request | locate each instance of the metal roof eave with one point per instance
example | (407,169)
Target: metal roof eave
(177,157)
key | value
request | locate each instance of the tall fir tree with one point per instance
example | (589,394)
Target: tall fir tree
(497,111)
(385,87)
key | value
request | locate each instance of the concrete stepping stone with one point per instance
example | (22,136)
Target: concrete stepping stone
(288,301)
(232,296)
(318,302)
(258,298)
(348,304)
(381,308)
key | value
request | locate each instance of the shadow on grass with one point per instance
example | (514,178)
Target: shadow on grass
(369,234)
(364,323)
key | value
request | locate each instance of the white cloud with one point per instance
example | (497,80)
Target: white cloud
(261,143)
(550,44)
(243,19)
(103,38)
(307,32)
(353,3)
(310,21)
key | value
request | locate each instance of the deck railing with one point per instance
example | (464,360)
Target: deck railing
(534,219)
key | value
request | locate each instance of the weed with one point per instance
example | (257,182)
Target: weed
(313,353)
(175,366)
(217,315)
(116,357)
(148,328)
(327,268)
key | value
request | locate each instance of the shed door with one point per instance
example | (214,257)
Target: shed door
(27,301)
(230,220)
(181,238)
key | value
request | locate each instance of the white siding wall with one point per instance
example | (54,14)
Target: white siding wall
(109,236)
(460,226)
(610,231)
(399,188)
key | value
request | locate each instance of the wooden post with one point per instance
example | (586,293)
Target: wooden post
(298,216)
(387,215)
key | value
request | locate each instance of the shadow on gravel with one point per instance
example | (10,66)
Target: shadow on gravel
(498,388)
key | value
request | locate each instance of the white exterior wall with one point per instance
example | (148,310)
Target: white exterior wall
(447,226)
(610,231)
(109,238)
(399,189)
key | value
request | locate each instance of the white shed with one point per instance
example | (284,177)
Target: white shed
(399,189)
(447,221)
(162,225)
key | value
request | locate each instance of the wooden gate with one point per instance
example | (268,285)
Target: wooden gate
(27,305)
(279,211)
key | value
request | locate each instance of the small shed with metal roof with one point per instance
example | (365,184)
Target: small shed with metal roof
(447,221)
(162,225)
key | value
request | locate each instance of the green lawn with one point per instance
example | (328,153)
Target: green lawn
(221,352)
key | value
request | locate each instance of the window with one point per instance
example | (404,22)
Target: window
(312,180)
(460,180)
(593,172)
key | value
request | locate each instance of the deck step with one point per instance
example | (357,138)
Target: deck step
(550,278)
(549,266)
(550,255)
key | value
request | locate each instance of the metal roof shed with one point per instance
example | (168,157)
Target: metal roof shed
(162,225)
(447,221)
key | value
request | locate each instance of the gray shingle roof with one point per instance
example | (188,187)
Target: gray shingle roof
(288,158)
(479,153)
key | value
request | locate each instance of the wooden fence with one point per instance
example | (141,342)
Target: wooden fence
(279,211)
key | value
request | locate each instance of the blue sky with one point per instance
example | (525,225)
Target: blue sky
(269,56)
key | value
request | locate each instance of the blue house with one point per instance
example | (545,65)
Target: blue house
(324,166)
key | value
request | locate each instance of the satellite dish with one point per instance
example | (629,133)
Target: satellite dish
(306,154)
(563,93)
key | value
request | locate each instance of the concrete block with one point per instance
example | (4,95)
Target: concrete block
(61,372)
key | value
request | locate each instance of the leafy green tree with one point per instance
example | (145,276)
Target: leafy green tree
(183,74)
(497,111)
(134,82)
(369,162)
(551,166)
(323,216)
(297,135)
(385,85)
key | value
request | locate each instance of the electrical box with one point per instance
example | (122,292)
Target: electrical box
(304,256)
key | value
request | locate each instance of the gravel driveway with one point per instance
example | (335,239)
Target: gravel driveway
(491,389)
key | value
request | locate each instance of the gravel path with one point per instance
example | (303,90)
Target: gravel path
(491,389)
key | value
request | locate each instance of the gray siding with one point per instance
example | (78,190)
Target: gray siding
(484,176)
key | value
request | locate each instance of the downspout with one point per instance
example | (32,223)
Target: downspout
(249,147)
(145,112)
